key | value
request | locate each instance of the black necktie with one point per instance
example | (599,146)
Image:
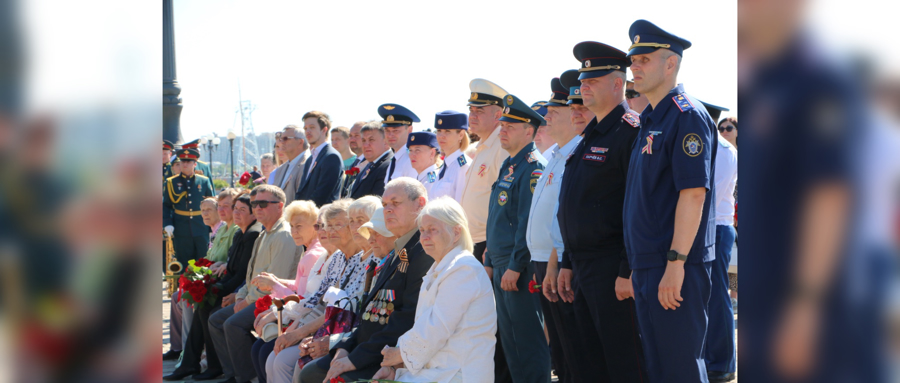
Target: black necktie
(443,170)
(393,163)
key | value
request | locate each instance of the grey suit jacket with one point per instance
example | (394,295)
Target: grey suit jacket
(293,183)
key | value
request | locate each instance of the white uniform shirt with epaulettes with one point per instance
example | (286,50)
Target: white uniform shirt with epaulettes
(428,177)
(451,177)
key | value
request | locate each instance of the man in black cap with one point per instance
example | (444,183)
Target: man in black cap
(581,115)
(594,268)
(668,215)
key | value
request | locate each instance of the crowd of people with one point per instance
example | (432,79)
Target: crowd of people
(589,235)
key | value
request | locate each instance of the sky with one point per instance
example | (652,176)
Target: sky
(346,58)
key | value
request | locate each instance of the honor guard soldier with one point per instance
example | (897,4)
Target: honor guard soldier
(202,167)
(167,157)
(423,153)
(181,209)
(594,265)
(669,228)
(507,257)
(397,127)
(452,135)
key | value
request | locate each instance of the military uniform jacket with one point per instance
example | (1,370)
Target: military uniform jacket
(399,290)
(181,204)
(204,168)
(674,150)
(370,181)
(592,193)
(510,204)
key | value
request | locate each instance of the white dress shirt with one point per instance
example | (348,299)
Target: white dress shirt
(542,222)
(428,177)
(454,179)
(313,156)
(726,178)
(402,166)
(453,337)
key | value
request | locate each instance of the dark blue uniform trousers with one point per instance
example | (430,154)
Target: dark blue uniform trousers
(188,248)
(721,355)
(568,346)
(609,326)
(521,327)
(674,340)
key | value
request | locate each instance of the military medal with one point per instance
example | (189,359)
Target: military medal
(381,321)
(366,316)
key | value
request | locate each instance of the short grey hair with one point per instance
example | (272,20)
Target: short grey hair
(274,190)
(452,215)
(267,156)
(372,126)
(338,208)
(365,205)
(300,133)
(411,186)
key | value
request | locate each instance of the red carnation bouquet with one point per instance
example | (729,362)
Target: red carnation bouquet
(262,304)
(245,178)
(533,287)
(196,284)
(352,172)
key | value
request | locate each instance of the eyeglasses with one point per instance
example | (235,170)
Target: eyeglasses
(285,138)
(632,94)
(726,128)
(262,204)
(319,226)
(335,227)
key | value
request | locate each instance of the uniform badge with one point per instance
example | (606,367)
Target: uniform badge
(505,110)
(474,96)
(389,107)
(594,157)
(413,138)
(692,145)
(198,185)
(533,184)
(578,92)
(389,118)
(587,63)
(509,100)
(637,39)
(683,103)
(431,177)
(531,157)
(440,121)
(504,185)
(461,160)
(503,198)
(481,170)
(632,119)
(537,173)
(595,149)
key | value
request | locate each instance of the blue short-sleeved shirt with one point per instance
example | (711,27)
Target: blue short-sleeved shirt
(674,150)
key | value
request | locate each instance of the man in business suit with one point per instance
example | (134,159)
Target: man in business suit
(396,289)
(370,181)
(290,173)
(323,171)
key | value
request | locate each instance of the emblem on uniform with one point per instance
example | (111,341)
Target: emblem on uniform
(537,173)
(474,96)
(533,184)
(509,177)
(531,157)
(503,198)
(594,157)
(595,149)
(440,121)
(578,91)
(198,187)
(461,160)
(431,177)
(481,170)
(509,100)
(413,138)
(505,110)
(389,107)
(632,119)
(587,63)
(692,145)
(683,103)
(637,39)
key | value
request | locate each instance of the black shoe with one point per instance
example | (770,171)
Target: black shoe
(720,377)
(171,355)
(229,380)
(207,375)
(179,375)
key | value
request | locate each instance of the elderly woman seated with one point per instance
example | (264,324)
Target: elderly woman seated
(452,339)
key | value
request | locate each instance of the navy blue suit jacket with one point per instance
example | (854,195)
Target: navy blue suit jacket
(323,185)
(373,182)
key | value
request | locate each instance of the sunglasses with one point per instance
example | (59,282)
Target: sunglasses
(262,204)
(285,138)
(726,128)
(632,94)
(319,226)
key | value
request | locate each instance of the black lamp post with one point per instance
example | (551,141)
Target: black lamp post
(211,145)
(231,137)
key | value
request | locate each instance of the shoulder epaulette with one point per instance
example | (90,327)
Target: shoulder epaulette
(200,175)
(170,178)
(632,119)
(683,103)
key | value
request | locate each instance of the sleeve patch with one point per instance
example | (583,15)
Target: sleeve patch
(692,145)
(683,103)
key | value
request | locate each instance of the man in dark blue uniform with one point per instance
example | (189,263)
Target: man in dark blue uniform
(181,209)
(669,228)
(507,259)
(594,265)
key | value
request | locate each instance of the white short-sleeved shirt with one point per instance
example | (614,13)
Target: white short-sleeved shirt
(542,222)
(726,179)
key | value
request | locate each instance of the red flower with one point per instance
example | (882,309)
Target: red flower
(203,262)
(338,380)
(245,178)
(262,304)
(533,287)
(352,172)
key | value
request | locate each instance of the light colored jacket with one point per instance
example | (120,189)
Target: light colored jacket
(273,252)
(456,319)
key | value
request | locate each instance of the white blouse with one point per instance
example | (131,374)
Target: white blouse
(454,179)
(428,177)
(456,319)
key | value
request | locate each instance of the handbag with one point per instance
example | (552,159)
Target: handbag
(273,330)
(337,320)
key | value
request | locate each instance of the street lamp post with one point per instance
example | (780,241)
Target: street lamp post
(211,145)
(231,137)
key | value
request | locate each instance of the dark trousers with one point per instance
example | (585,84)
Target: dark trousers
(674,340)
(567,345)
(610,328)
(721,355)
(230,333)
(259,354)
(188,248)
(521,328)
(316,370)
(501,370)
(198,338)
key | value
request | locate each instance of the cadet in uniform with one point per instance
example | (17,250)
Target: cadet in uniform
(423,149)
(181,209)
(590,220)
(397,127)
(452,128)
(669,231)
(518,311)
(202,167)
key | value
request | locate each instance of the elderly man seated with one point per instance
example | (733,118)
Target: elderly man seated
(275,253)
(390,309)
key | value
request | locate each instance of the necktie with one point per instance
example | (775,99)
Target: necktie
(393,164)
(443,170)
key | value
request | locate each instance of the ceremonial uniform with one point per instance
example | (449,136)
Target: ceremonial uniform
(203,167)
(569,79)
(395,115)
(429,175)
(452,176)
(518,312)
(181,209)
(167,167)
(674,151)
